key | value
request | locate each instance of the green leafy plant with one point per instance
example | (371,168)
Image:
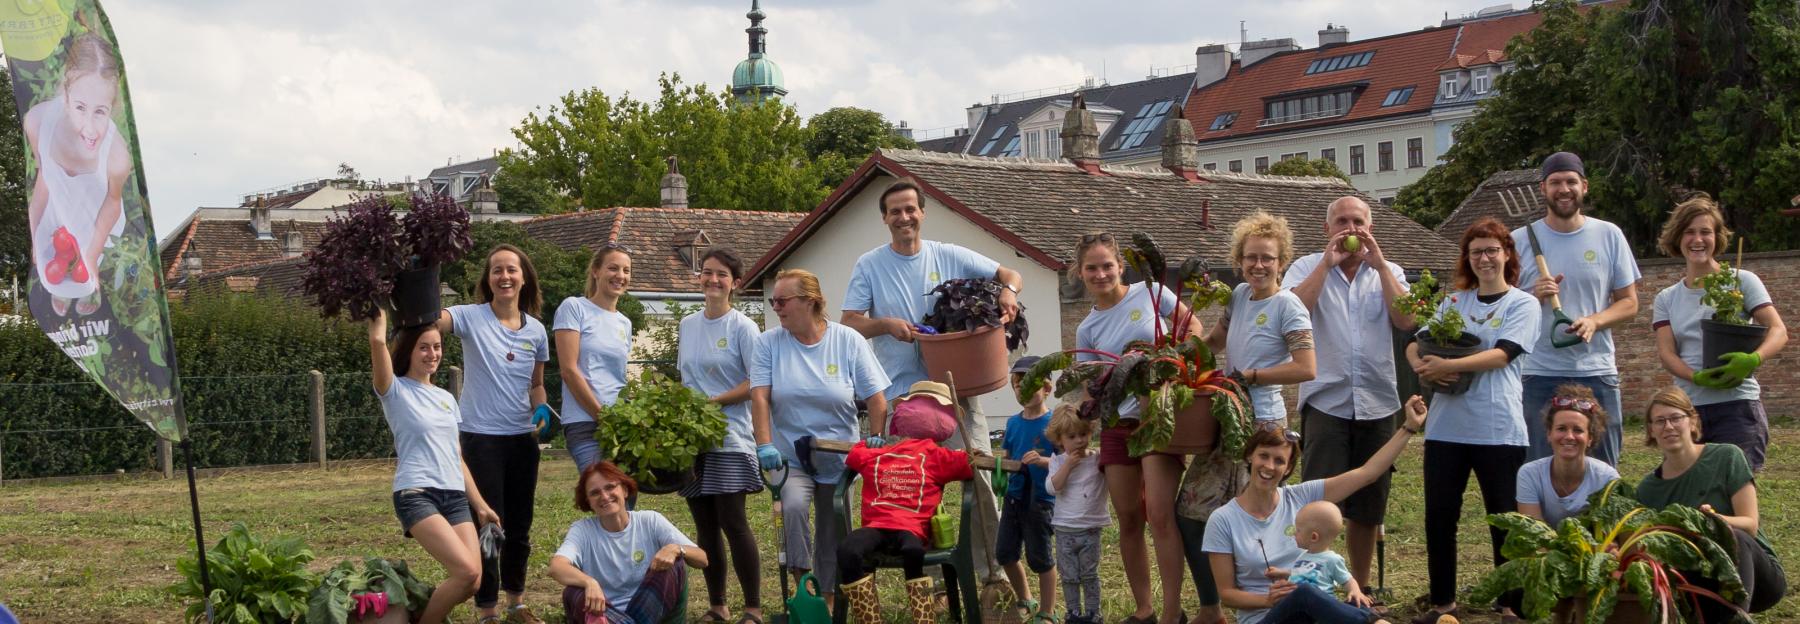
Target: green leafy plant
(1167,372)
(366,592)
(657,428)
(1615,546)
(253,581)
(1722,291)
(1422,302)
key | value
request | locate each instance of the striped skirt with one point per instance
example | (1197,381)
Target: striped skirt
(723,472)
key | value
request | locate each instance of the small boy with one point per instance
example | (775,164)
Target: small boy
(1316,527)
(1025,517)
(1079,514)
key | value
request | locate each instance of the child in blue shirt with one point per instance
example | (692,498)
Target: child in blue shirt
(1316,527)
(1025,516)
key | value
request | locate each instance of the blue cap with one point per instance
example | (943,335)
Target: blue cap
(1563,161)
(1025,363)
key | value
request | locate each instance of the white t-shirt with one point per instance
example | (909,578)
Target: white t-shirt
(1594,261)
(1353,341)
(886,284)
(714,356)
(1235,532)
(423,419)
(605,349)
(1489,412)
(498,363)
(1129,320)
(1678,307)
(1534,488)
(813,389)
(1081,501)
(1257,338)
(619,561)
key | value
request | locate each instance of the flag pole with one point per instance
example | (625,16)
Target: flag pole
(187,452)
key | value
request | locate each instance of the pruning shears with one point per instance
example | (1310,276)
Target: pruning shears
(1566,337)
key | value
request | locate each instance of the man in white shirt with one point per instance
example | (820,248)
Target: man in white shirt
(887,297)
(1347,411)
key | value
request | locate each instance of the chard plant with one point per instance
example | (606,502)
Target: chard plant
(365,592)
(253,581)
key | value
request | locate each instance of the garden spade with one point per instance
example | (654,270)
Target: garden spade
(775,479)
(1563,338)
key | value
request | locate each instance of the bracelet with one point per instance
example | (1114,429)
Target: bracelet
(1408,428)
(1253,375)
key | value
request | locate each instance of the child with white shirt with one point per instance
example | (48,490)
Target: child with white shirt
(1079,513)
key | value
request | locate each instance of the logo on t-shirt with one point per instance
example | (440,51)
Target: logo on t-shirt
(933,277)
(1589,256)
(623,334)
(1289,531)
(443,406)
(831,370)
(1495,323)
(1137,315)
(721,343)
(1262,319)
(637,556)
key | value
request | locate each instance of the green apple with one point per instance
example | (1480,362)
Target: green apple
(1351,243)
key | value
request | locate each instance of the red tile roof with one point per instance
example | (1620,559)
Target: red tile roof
(224,243)
(653,234)
(1483,42)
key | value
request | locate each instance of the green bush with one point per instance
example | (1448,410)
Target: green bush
(253,581)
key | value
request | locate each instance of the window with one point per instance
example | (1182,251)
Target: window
(1384,156)
(1306,107)
(1356,160)
(1012,147)
(1211,166)
(1329,153)
(1262,164)
(1335,63)
(1299,155)
(1149,118)
(1448,90)
(1053,143)
(988,149)
(1032,147)
(1236,166)
(1482,80)
(1223,121)
(1415,152)
(468,185)
(1398,96)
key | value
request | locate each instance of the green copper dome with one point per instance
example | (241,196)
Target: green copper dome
(757,77)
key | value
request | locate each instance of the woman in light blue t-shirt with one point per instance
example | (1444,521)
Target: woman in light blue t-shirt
(434,496)
(1558,486)
(621,566)
(593,344)
(1266,332)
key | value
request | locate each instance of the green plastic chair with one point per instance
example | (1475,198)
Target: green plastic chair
(957,564)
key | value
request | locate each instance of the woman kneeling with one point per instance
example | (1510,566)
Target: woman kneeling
(621,566)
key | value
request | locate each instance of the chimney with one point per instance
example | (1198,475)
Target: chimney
(977,113)
(904,131)
(190,266)
(674,187)
(1251,52)
(1180,151)
(259,222)
(1081,142)
(293,243)
(1211,64)
(485,200)
(1333,35)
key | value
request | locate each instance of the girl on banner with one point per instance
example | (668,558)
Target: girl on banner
(76,199)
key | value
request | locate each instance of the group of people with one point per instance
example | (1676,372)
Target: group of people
(1539,425)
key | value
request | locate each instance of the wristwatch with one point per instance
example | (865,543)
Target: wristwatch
(680,552)
(1014,289)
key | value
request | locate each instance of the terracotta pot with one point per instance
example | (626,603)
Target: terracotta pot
(1465,345)
(977,358)
(1718,339)
(1196,431)
(1628,611)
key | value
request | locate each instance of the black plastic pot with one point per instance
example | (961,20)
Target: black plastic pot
(1718,339)
(664,481)
(1464,345)
(417,299)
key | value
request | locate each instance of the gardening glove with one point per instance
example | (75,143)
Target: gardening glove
(768,457)
(540,421)
(874,442)
(1737,366)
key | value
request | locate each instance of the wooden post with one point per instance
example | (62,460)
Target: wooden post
(2,459)
(316,402)
(455,382)
(165,458)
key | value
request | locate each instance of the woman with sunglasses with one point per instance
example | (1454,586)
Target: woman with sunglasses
(1481,430)
(1558,486)
(1728,398)
(593,344)
(1266,332)
(1716,479)
(805,379)
(1251,536)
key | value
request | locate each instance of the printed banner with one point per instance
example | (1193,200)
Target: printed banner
(95,285)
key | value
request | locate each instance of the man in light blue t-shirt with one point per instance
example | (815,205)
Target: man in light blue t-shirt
(887,297)
(1594,273)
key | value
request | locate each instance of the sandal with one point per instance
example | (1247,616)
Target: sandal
(521,614)
(748,618)
(1043,617)
(1026,608)
(713,616)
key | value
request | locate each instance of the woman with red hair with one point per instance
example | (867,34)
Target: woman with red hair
(621,566)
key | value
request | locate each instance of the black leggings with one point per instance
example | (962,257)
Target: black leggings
(1447,468)
(867,541)
(505,468)
(719,519)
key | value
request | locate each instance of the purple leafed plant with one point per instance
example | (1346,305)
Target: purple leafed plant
(352,269)
(971,304)
(437,228)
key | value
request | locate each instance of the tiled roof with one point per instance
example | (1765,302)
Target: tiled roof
(1404,60)
(1127,98)
(483,166)
(653,234)
(953,143)
(1513,197)
(1043,207)
(224,243)
(280,277)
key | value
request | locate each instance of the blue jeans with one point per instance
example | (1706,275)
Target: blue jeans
(1539,389)
(583,448)
(1309,604)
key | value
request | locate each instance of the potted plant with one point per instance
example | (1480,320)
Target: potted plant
(380,590)
(1730,329)
(655,430)
(1188,405)
(1440,328)
(370,257)
(963,336)
(253,581)
(1615,562)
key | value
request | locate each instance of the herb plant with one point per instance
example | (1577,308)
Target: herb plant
(1167,372)
(365,592)
(657,427)
(1423,300)
(437,228)
(253,581)
(1614,546)
(1722,291)
(352,269)
(972,304)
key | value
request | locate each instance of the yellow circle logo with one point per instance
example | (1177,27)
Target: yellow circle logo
(1289,531)
(721,343)
(1137,315)
(933,277)
(1589,256)
(1495,323)
(1262,319)
(831,370)
(637,556)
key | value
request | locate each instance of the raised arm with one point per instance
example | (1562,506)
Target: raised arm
(381,365)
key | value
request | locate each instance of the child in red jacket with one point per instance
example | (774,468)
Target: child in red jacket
(903,483)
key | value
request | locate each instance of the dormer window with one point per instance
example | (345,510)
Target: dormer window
(1149,117)
(691,246)
(1223,121)
(1294,108)
(1448,90)
(1482,79)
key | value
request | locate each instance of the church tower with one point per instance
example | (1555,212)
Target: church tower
(757,77)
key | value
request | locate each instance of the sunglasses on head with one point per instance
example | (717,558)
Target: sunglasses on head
(1098,237)
(612,245)
(1580,405)
(1275,426)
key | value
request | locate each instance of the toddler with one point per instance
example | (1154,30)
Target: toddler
(1079,512)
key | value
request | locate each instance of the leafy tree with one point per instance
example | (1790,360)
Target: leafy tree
(603,151)
(1318,167)
(519,193)
(842,137)
(15,240)
(561,273)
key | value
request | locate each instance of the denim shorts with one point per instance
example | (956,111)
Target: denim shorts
(412,505)
(1025,524)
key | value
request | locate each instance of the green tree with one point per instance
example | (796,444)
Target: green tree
(842,137)
(561,273)
(15,240)
(1318,167)
(601,151)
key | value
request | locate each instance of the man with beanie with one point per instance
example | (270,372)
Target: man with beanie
(1592,270)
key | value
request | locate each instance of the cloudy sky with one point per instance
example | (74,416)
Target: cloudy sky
(234,97)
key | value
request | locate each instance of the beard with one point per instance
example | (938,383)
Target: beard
(1575,207)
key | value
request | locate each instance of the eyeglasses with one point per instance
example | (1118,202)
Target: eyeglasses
(1275,426)
(1485,252)
(1666,421)
(1252,259)
(1580,405)
(776,302)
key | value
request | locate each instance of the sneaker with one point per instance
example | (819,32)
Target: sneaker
(521,614)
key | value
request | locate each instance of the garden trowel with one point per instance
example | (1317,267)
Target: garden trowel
(1563,338)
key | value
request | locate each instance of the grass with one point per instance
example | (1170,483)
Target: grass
(106,552)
